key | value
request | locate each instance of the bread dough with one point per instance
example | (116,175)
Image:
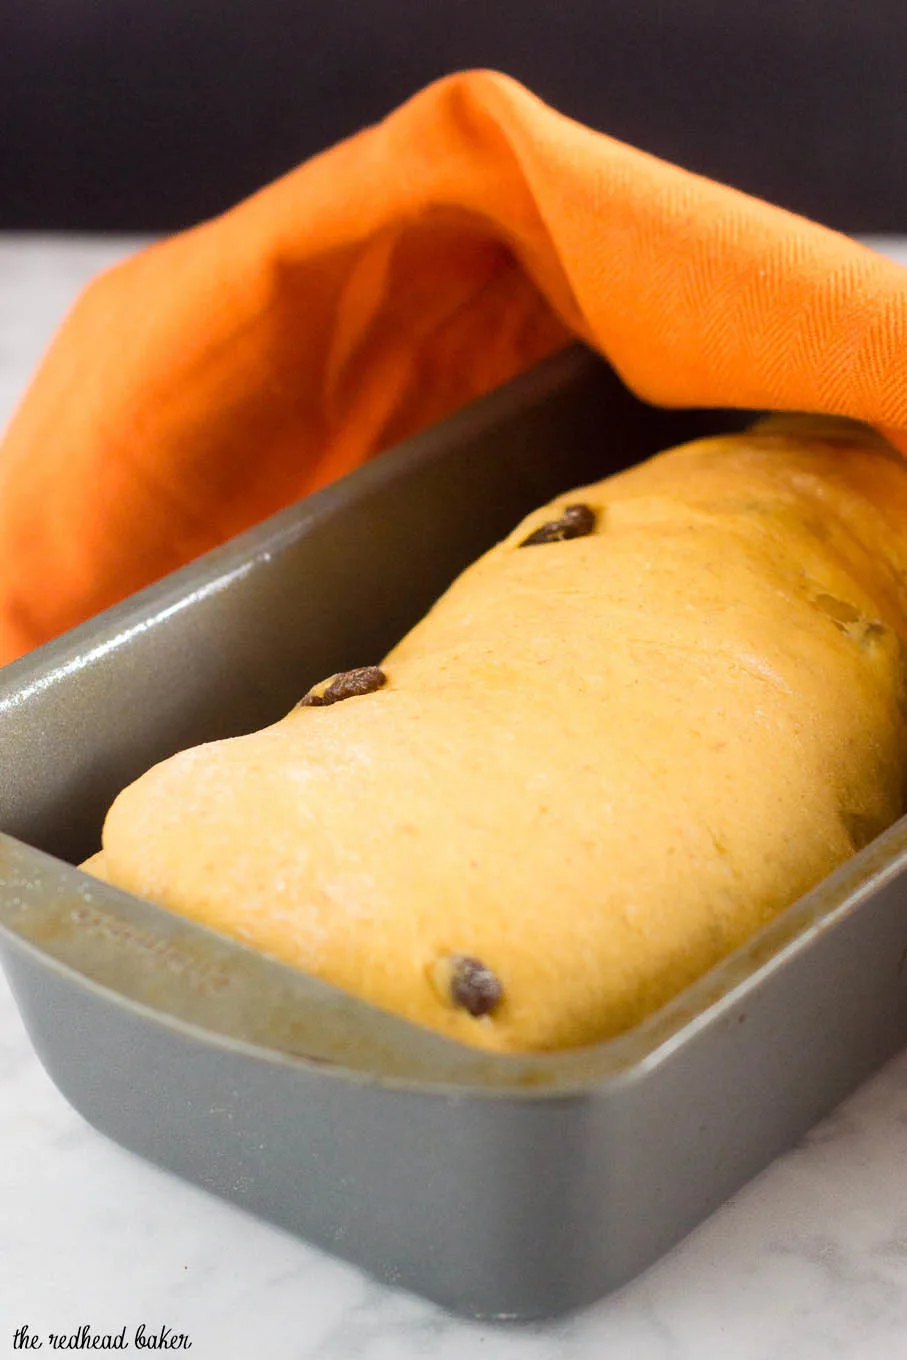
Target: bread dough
(596,766)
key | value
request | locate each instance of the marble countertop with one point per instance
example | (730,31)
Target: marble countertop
(807,1262)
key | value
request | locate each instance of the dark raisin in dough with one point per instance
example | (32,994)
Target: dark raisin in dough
(474,987)
(577,521)
(364,680)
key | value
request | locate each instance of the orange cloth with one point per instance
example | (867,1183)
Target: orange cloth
(222,374)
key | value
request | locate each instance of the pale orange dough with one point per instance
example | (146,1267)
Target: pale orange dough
(597,765)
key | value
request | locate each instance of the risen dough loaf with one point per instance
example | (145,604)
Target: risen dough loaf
(595,767)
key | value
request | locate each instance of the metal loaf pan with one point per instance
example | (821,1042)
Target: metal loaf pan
(498,1186)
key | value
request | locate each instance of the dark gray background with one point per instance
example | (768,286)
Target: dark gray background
(147,115)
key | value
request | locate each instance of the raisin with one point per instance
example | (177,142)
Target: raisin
(467,983)
(363,680)
(577,521)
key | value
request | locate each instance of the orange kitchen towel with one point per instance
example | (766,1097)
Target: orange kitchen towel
(221,374)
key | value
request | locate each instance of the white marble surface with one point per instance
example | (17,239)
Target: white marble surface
(808,1262)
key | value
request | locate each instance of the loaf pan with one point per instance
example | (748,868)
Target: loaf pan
(499,1186)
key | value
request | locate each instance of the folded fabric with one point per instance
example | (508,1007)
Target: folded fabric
(222,374)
